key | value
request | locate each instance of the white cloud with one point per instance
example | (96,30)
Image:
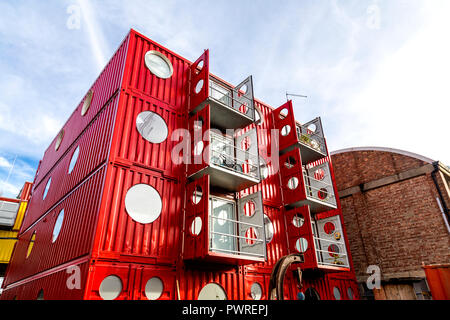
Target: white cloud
(405,105)
(4,163)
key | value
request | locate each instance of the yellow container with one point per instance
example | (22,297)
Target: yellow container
(7,241)
(20,215)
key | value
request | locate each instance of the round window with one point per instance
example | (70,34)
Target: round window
(143,203)
(284,113)
(199,86)
(251,235)
(58,226)
(74,159)
(329,228)
(31,244)
(268,229)
(40,295)
(301,245)
(264,169)
(350,294)
(47,187)
(256,291)
(154,288)
(298,220)
(196,226)
(158,64)
(152,127)
(322,194)
(87,103)
(59,139)
(110,288)
(212,291)
(333,250)
(197,195)
(319,174)
(337,293)
(250,208)
(285,130)
(293,183)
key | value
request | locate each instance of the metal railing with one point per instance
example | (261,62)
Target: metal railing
(333,258)
(223,154)
(314,140)
(229,98)
(319,190)
(235,237)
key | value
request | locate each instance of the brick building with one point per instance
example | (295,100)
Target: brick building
(396,208)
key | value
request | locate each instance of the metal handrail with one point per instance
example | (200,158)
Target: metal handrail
(319,138)
(229,97)
(214,135)
(243,253)
(236,236)
(235,221)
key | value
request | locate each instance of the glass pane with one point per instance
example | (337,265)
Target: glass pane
(222,151)
(220,93)
(222,229)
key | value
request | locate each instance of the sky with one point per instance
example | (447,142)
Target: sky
(375,71)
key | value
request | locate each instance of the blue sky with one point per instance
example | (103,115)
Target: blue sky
(376,71)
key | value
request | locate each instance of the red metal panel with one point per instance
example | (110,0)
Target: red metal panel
(165,274)
(438,278)
(196,246)
(277,248)
(138,77)
(281,121)
(54,286)
(118,236)
(198,75)
(263,280)
(106,85)
(268,151)
(199,155)
(191,282)
(342,281)
(74,240)
(131,148)
(94,146)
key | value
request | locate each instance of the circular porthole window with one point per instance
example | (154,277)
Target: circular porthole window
(143,203)
(196,226)
(110,288)
(31,244)
(58,226)
(197,195)
(154,288)
(268,229)
(158,64)
(251,235)
(264,169)
(256,291)
(199,86)
(249,208)
(74,159)
(59,140)
(47,187)
(152,127)
(333,250)
(301,245)
(350,294)
(40,295)
(283,113)
(212,291)
(337,293)
(298,220)
(87,103)
(329,228)
(293,183)
(285,130)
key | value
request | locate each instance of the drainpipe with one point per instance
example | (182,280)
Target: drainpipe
(444,208)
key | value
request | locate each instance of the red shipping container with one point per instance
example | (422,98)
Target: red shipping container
(118,236)
(130,282)
(74,238)
(90,151)
(104,88)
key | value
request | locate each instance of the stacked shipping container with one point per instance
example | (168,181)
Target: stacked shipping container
(94,175)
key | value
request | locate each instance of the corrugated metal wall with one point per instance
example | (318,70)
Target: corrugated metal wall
(94,144)
(74,240)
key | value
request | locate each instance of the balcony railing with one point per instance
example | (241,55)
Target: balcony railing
(331,256)
(225,154)
(230,108)
(319,190)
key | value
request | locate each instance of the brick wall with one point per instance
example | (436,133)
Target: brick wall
(396,226)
